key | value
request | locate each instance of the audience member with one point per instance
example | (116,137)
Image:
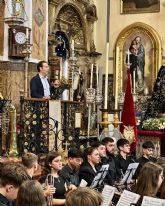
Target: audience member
(12,176)
(83,197)
(30,161)
(149,180)
(31,194)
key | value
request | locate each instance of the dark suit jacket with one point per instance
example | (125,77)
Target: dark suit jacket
(36,87)
(87,173)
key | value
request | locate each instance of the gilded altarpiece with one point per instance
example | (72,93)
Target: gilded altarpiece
(39,29)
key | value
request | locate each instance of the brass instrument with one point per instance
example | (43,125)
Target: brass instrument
(49,182)
(13,138)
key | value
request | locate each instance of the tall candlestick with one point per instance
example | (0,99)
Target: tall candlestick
(72,45)
(91,81)
(27,32)
(97,76)
(108,15)
(116,80)
(106,77)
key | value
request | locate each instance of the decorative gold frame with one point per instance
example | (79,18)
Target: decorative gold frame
(137,29)
(130,9)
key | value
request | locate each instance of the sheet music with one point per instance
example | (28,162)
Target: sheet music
(129,173)
(83,183)
(150,201)
(107,193)
(127,198)
(100,176)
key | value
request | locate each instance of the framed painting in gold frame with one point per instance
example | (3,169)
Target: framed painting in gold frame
(139,6)
(152,59)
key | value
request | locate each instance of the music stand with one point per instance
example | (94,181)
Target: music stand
(129,173)
(99,178)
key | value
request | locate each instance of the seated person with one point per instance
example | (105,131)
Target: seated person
(70,172)
(83,197)
(30,162)
(110,148)
(31,193)
(104,160)
(12,176)
(149,180)
(148,148)
(123,159)
(88,169)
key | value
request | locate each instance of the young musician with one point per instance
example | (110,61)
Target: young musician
(88,169)
(123,159)
(70,171)
(148,149)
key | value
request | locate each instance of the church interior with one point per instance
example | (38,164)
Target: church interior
(74,73)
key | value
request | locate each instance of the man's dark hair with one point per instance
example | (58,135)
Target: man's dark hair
(96,144)
(106,140)
(148,144)
(74,153)
(40,64)
(28,159)
(121,142)
(13,174)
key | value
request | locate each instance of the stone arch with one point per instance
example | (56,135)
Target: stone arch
(149,34)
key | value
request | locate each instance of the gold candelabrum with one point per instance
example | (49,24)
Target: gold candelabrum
(13,132)
(105,122)
(26,51)
(116,121)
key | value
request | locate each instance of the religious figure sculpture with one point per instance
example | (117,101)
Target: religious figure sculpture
(137,60)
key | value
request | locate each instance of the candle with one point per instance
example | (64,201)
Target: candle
(27,32)
(91,81)
(106,77)
(108,15)
(72,45)
(116,80)
(97,76)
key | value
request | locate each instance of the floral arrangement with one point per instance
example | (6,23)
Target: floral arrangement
(154,123)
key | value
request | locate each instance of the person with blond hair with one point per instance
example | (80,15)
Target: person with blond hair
(83,196)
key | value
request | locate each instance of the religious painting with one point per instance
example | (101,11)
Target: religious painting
(143,45)
(39,28)
(139,6)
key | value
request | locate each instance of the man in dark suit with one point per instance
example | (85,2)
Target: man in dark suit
(39,84)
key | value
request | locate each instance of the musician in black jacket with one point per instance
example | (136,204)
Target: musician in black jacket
(88,169)
(123,159)
(148,150)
